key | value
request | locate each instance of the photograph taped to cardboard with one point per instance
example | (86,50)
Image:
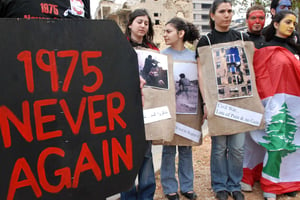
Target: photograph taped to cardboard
(153,67)
(186,86)
(233,76)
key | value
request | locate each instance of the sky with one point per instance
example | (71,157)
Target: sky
(94,4)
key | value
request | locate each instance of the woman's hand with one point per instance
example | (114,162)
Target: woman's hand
(142,83)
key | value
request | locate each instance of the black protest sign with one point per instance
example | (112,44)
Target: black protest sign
(71,122)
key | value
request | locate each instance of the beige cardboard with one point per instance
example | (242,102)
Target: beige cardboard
(190,120)
(153,97)
(219,125)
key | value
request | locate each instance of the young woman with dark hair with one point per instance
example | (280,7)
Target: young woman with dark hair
(273,34)
(226,150)
(139,29)
(139,32)
(277,72)
(176,32)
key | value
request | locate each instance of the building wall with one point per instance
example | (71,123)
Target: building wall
(201,15)
(160,12)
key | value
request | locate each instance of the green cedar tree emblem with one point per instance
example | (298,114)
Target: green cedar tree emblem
(281,132)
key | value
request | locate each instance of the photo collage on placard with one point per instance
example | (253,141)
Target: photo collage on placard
(233,76)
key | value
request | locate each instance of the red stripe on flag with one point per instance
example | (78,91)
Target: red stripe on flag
(279,188)
(252,175)
(271,76)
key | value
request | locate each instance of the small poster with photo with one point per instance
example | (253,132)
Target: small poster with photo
(186,86)
(220,66)
(153,67)
(233,76)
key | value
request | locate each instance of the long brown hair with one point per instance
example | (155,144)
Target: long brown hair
(191,33)
(148,38)
(271,31)
(213,9)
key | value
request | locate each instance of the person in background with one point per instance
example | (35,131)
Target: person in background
(253,152)
(176,32)
(39,9)
(226,150)
(255,19)
(139,32)
(280,5)
(277,69)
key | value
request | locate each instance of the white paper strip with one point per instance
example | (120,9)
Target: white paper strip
(238,114)
(187,132)
(156,114)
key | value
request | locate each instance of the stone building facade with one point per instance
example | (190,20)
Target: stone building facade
(201,15)
(160,12)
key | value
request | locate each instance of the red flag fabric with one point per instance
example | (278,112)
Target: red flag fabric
(272,76)
(277,73)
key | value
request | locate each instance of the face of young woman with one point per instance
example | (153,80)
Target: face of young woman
(171,35)
(222,17)
(286,26)
(139,28)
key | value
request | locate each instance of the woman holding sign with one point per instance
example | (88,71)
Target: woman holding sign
(176,33)
(226,150)
(139,32)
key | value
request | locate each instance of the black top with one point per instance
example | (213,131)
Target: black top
(143,44)
(41,9)
(216,37)
(295,34)
(259,40)
(276,41)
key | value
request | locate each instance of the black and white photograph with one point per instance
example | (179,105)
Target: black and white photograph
(186,87)
(153,67)
(233,76)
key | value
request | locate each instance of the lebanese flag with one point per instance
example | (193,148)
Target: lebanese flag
(253,159)
(277,73)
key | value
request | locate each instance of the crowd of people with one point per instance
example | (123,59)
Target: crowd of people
(237,160)
(232,169)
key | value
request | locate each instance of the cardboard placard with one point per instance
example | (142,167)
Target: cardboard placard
(188,105)
(158,93)
(71,121)
(228,77)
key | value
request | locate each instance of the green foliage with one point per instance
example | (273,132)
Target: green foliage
(265,3)
(245,3)
(295,8)
(295,4)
